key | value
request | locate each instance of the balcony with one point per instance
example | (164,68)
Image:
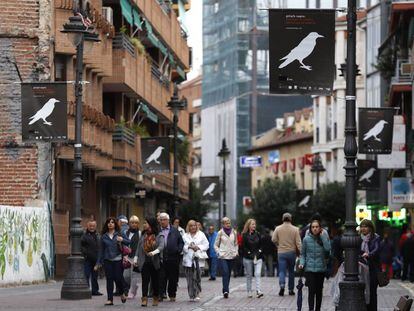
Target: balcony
(96,138)
(168,26)
(401,80)
(134,73)
(125,152)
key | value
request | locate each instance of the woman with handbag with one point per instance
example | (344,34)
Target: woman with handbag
(370,251)
(315,250)
(148,258)
(226,248)
(195,254)
(252,256)
(110,256)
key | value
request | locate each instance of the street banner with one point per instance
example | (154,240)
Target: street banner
(397,158)
(304,199)
(375,130)
(44,111)
(302,51)
(155,155)
(250,161)
(402,190)
(210,188)
(368,175)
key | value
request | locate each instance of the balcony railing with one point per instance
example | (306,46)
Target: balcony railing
(121,41)
(403,71)
(122,133)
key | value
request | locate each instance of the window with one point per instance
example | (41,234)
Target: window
(317,135)
(216,7)
(191,124)
(60,67)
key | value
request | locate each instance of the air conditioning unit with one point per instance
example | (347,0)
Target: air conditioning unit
(406,69)
(108,14)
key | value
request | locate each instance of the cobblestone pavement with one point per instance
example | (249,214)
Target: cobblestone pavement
(46,297)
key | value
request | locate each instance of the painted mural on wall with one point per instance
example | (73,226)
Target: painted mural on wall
(24,244)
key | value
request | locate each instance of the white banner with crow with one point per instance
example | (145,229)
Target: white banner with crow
(368,175)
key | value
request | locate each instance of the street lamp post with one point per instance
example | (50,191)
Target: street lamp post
(175,105)
(75,285)
(223,154)
(351,289)
(317,168)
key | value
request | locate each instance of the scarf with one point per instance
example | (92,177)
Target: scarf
(227,231)
(150,242)
(365,241)
(133,230)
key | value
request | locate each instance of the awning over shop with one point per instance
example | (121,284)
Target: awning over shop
(150,115)
(126,9)
(137,19)
(154,40)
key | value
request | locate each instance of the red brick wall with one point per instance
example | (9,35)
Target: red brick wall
(19,17)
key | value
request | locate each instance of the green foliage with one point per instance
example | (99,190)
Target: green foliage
(138,45)
(123,29)
(330,203)
(194,208)
(273,198)
(140,130)
(385,64)
(183,151)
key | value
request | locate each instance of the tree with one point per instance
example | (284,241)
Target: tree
(329,201)
(194,208)
(273,198)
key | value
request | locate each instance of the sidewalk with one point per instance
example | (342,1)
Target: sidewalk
(47,297)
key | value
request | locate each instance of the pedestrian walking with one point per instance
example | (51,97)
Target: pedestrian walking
(316,248)
(370,249)
(148,258)
(212,256)
(226,248)
(405,252)
(268,249)
(387,252)
(131,275)
(288,242)
(195,254)
(170,266)
(408,258)
(110,256)
(90,250)
(252,256)
(176,224)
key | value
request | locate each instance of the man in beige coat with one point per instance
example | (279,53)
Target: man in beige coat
(287,239)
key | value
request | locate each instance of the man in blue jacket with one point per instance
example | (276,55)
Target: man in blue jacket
(169,271)
(212,256)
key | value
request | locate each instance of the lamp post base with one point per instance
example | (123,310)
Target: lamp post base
(352,296)
(75,286)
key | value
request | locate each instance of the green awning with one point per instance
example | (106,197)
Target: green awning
(126,9)
(172,61)
(137,19)
(181,72)
(154,40)
(150,115)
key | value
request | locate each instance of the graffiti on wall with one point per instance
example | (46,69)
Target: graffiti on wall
(25,247)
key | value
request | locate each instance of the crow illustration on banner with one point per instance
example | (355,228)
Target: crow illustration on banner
(155,156)
(302,51)
(305,201)
(44,112)
(367,175)
(210,190)
(375,131)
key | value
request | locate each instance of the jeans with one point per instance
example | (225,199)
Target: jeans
(287,261)
(268,266)
(169,274)
(212,262)
(314,282)
(248,268)
(113,273)
(131,279)
(90,273)
(149,273)
(226,267)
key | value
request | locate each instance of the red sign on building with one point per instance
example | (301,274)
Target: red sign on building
(283,166)
(275,168)
(292,164)
(301,162)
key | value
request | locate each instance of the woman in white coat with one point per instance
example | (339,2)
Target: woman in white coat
(195,254)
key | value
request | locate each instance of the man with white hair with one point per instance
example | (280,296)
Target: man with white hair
(169,271)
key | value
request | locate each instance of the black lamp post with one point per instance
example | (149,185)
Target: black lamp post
(352,290)
(224,154)
(75,285)
(175,105)
(317,168)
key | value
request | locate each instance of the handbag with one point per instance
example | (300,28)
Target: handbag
(382,278)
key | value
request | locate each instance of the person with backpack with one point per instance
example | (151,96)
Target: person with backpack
(226,248)
(252,256)
(315,248)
